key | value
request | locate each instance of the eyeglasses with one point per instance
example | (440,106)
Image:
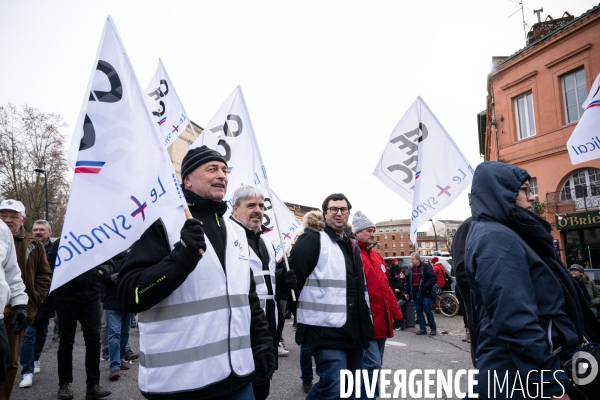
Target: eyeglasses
(334,210)
(527,190)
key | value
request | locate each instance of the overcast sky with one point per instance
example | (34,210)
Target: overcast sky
(325,81)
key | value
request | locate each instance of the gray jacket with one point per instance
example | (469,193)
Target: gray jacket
(12,288)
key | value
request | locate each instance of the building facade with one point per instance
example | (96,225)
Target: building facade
(533,105)
(393,238)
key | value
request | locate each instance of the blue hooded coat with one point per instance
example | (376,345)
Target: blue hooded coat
(520,310)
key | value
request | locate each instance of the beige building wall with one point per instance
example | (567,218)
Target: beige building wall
(179,148)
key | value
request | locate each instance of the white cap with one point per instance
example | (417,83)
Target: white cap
(14,205)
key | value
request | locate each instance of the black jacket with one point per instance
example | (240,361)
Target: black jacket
(358,329)
(46,309)
(151,261)
(462,285)
(110,300)
(85,287)
(428,280)
(395,281)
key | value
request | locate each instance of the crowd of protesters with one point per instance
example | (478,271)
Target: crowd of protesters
(211,295)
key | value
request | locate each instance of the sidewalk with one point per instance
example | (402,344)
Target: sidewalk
(45,384)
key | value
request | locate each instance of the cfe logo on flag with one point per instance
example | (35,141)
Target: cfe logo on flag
(231,133)
(166,108)
(124,179)
(422,164)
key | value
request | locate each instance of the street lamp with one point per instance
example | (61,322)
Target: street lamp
(43,171)
(435,235)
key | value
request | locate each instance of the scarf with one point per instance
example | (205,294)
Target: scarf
(535,231)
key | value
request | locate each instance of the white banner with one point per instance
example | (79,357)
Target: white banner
(231,132)
(584,143)
(422,164)
(124,179)
(166,108)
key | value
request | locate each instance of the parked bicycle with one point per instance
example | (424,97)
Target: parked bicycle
(446,303)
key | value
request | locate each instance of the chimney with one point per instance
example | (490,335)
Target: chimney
(541,29)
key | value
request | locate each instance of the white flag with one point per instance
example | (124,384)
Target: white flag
(584,143)
(124,179)
(165,105)
(231,132)
(423,165)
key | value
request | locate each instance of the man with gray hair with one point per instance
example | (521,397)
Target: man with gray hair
(36,275)
(35,334)
(12,290)
(248,212)
(418,285)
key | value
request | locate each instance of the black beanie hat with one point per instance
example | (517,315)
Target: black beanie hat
(198,156)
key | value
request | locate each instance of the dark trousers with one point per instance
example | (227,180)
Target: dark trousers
(261,392)
(4,350)
(14,348)
(88,314)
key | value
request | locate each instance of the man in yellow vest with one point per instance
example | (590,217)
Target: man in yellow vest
(203,334)
(333,311)
(248,212)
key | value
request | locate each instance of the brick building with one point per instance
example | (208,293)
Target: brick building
(393,238)
(533,104)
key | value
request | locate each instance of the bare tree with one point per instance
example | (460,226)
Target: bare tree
(30,139)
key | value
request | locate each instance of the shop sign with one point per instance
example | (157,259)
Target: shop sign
(582,220)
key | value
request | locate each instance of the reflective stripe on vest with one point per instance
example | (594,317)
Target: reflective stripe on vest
(259,276)
(197,335)
(322,301)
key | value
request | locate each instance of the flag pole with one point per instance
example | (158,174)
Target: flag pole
(287,265)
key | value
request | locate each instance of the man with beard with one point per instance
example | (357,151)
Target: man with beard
(248,212)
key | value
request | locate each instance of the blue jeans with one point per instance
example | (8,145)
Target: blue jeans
(245,393)
(423,305)
(118,324)
(372,359)
(33,344)
(329,363)
(305,363)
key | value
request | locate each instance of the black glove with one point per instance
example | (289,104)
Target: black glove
(105,269)
(113,277)
(192,236)
(264,366)
(290,279)
(18,318)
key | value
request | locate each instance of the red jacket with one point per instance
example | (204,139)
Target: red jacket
(440,272)
(384,307)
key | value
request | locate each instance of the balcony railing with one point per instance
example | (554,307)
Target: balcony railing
(579,198)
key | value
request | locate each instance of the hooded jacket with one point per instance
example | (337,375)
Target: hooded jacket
(520,309)
(384,307)
(35,271)
(358,329)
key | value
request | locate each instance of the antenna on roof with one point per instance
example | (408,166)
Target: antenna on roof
(538,12)
(522,16)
